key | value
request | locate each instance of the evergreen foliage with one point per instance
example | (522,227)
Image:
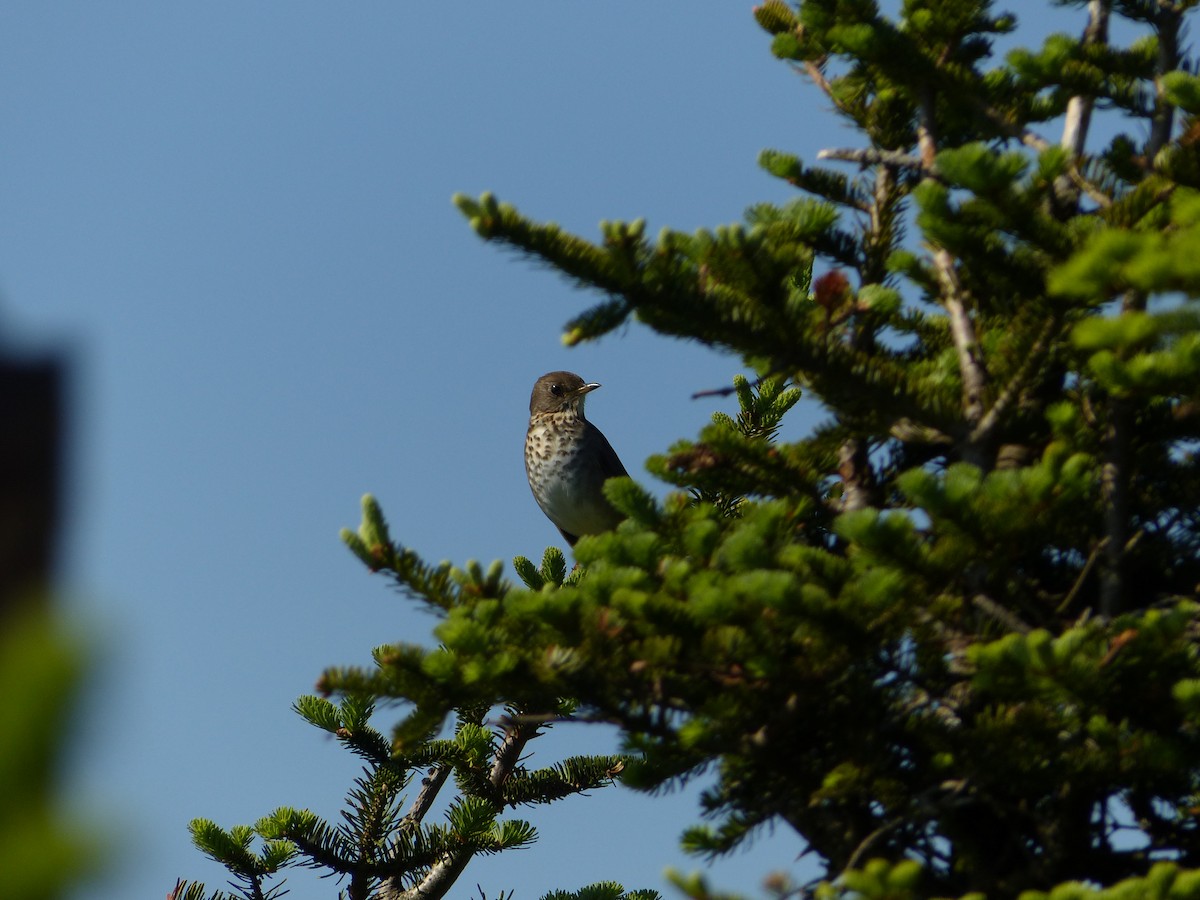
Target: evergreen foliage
(950,637)
(43,852)
(381,849)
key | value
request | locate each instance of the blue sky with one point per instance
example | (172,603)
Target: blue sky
(236,218)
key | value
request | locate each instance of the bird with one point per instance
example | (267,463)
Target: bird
(568,459)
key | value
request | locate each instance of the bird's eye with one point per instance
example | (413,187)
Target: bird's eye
(556,390)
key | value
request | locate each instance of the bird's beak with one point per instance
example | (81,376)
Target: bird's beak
(585,390)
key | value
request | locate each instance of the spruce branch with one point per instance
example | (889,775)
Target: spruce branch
(571,776)
(192,890)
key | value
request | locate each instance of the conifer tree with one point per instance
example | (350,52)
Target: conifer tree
(949,637)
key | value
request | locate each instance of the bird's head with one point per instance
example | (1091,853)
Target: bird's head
(559,392)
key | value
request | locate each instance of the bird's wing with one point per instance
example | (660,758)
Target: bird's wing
(610,463)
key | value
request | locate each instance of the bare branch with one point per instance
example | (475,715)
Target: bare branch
(1015,389)
(872,156)
(1117,472)
(854,467)
(912,432)
(935,800)
(867,843)
(1114,486)
(1168,22)
(1082,577)
(926,137)
(1115,476)
(1079,108)
(430,786)
(1004,616)
(442,875)
(962,329)
(723,391)
(509,754)
(813,71)
(1035,141)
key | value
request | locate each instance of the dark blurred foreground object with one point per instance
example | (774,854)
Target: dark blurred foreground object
(31,401)
(42,853)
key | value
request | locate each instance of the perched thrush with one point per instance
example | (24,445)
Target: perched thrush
(567,459)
